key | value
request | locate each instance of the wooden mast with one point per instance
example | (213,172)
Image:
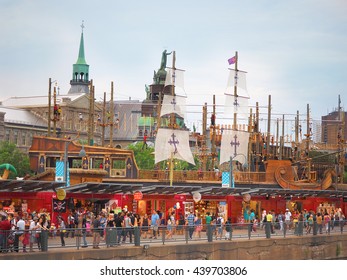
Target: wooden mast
(49,107)
(172,124)
(235,92)
(103,121)
(54,118)
(203,141)
(268,129)
(111,116)
(308,137)
(213,148)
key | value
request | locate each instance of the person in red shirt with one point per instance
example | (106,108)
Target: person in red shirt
(5,227)
(144,142)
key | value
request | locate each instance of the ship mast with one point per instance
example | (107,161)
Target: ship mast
(172,124)
(235,92)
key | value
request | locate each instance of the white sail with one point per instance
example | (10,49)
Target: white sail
(173,104)
(237,78)
(175,142)
(237,105)
(174,77)
(234,144)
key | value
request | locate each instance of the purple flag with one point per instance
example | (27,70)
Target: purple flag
(232,60)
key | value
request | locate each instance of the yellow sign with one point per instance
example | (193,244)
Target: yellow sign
(61,194)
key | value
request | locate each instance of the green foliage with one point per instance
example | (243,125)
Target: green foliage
(9,153)
(144,157)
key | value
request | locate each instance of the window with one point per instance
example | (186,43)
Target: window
(118,164)
(24,136)
(7,135)
(15,137)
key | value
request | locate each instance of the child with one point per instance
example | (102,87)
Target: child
(53,230)
(255,225)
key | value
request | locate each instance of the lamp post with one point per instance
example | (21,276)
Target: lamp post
(232,183)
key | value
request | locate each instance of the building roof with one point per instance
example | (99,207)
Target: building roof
(38,101)
(130,188)
(28,185)
(21,116)
(127,112)
(81,59)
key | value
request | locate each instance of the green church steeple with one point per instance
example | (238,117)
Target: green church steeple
(81,59)
(80,71)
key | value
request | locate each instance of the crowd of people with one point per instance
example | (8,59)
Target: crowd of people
(25,228)
(29,228)
(299,222)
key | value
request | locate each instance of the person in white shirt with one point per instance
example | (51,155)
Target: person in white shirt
(20,227)
(32,230)
(287,218)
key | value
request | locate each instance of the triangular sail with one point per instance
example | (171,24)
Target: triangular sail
(173,104)
(234,144)
(173,142)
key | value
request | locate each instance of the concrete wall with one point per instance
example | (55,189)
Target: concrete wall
(294,248)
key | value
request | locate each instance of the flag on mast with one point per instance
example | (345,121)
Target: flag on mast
(232,60)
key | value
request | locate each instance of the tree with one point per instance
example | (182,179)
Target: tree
(144,156)
(9,153)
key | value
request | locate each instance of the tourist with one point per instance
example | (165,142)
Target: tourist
(263,219)
(20,227)
(228,228)
(169,228)
(62,230)
(220,226)
(332,220)
(287,219)
(326,219)
(190,223)
(342,221)
(173,221)
(32,230)
(118,222)
(5,227)
(41,225)
(269,220)
(319,221)
(128,228)
(208,220)
(162,223)
(144,226)
(84,230)
(155,220)
(180,224)
(280,219)
(96,231)
(198,225)
(71,225)
(309,224)
(103,223)
(255,224)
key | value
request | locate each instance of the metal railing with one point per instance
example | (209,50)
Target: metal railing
(44,240)
(194,175)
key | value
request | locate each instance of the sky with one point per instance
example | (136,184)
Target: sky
(295,51)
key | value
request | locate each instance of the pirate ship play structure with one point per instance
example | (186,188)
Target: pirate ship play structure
(276,176)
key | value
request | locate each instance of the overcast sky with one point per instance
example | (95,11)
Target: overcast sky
(294,50)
